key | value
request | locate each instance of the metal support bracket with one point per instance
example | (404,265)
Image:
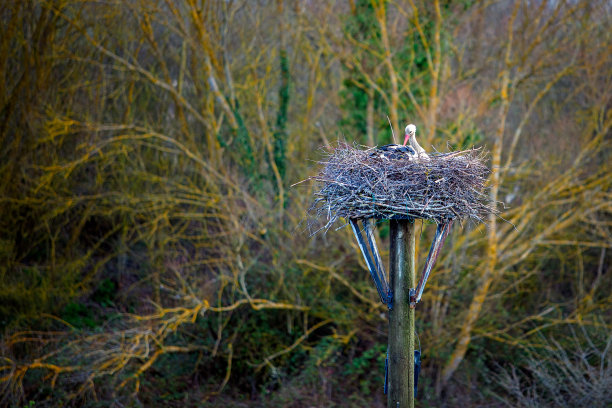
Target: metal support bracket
(373,260)
(438,241)
(375,266)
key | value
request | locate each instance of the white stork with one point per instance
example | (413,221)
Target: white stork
(410,134)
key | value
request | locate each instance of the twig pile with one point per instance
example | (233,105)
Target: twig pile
(356,183)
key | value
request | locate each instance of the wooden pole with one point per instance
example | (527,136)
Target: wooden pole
(401,318)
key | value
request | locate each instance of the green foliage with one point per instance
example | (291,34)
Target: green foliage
(79,316)
(105,293)
(383,230)
(463,136)
(410,59)
(361,25)
(280,132)
(242,148)
(368,369)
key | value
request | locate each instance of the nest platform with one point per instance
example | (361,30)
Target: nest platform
(357,183)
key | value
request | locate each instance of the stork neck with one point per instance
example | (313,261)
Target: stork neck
(415,145)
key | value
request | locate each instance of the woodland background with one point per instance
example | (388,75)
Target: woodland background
(153,251)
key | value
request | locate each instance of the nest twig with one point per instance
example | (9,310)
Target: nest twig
(357,183)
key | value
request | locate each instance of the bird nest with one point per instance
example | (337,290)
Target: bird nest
(367,183)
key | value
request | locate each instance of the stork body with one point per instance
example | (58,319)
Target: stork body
(394,152)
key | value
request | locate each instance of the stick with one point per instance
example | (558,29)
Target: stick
(392,132)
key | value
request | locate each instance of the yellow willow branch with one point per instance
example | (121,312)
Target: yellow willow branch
(146,133)
(576,243)
(381,16)
(155,356)
(268,360)
(136,68)
(270,150)
(435,75)
(342,280)
(489,272)
(228,372)
(519,129)
(367,76)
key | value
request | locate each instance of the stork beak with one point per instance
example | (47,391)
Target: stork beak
(406,139)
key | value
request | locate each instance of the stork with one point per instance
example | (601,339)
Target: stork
(410,136)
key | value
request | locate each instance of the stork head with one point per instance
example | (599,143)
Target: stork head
(409,132)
